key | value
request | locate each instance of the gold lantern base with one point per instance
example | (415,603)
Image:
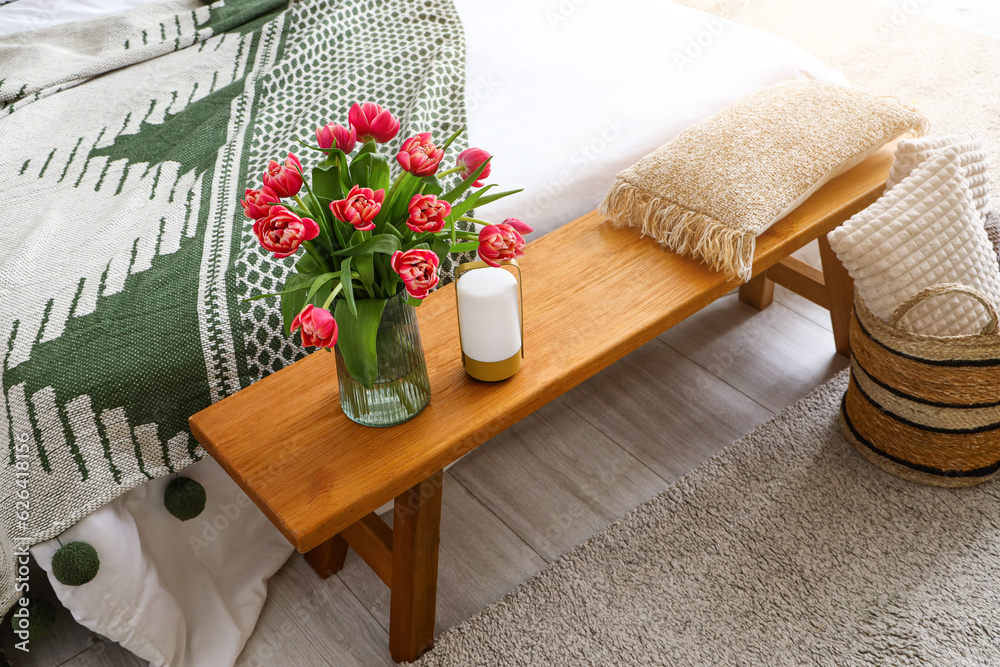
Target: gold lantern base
(493,371)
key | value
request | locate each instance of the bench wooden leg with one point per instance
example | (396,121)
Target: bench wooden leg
(328,558)
(758,292)
(416,534)
(840,296)
(405,557)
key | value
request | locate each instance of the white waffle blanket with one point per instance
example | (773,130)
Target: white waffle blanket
(911,153)
(925,230)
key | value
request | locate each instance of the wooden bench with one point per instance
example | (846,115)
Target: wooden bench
(592,294)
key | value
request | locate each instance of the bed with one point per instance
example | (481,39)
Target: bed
(565,94)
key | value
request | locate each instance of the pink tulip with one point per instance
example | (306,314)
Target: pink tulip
(418,269)
(285,180)
(500,242)
(333,135)
(319,329)
(256,202)
(282,232)
(518,226)
(427,213)
(359,208)
(419,155)
(470,159)
(371,121)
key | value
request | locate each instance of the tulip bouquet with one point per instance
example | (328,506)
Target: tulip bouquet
(366,235)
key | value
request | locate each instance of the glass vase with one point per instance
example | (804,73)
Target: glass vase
(402,388)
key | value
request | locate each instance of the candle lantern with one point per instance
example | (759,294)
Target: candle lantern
(490,320)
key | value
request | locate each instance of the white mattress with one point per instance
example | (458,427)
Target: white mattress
(567,94)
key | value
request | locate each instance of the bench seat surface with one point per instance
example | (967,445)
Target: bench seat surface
(592,294)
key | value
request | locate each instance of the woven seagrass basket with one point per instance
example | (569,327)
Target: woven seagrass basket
(925,408)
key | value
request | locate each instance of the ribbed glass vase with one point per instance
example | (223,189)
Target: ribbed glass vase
(402,388)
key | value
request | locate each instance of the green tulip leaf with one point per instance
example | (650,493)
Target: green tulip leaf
(484,200)
(467,246)
(293,298)
(317,284)
(341,230)
(298,288)
(452,195)
(345,280)
(452,138)
(383,243)
(472,200)
(409,185)
(311,147)
(430,185)
(369,147)
(370,170)
(357,330)
(386,277)
(326,185)
(475,200)
(308,264)
(320,296)
(336,157)
(389,227)
(365,265)
(440,247)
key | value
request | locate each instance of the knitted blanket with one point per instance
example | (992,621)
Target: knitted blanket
(125,143)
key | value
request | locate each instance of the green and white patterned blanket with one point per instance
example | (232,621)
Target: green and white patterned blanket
(125,143)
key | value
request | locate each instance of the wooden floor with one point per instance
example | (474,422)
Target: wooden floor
(545,485)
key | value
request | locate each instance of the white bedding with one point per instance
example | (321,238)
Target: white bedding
(565,94)
(175,592)
(24,15)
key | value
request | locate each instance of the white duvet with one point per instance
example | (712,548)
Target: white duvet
(566,93)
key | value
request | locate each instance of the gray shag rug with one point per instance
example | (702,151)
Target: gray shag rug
(787,548)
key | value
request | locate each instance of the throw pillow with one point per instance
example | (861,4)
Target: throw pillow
(712,189)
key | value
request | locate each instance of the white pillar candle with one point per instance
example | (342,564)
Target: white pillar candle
(489,314)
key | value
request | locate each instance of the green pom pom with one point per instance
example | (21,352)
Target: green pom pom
(185,498)
(41,619)
(75,564)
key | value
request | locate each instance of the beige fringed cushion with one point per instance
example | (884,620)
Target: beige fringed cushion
(713,188)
